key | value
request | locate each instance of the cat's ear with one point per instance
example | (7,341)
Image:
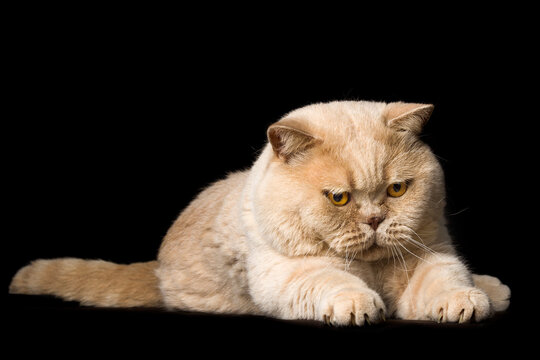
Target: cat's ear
(290,138)
(408,116)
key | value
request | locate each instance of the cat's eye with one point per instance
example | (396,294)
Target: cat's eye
(338,199)
(397,189)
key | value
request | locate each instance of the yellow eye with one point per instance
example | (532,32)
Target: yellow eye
(397,189)
(339,199)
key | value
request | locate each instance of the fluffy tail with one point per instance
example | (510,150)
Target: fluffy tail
(91,282)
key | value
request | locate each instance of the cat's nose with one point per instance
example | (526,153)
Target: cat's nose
(374,221)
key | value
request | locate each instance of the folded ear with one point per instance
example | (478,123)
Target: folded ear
(290,138)
(408,116)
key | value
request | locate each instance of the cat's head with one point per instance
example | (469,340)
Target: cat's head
(351,178)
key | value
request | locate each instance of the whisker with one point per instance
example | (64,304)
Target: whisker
(352,258)
(442,199)
(413,254)
(403,259)
(399,258)
(393,256)
(415,233)
(424,247)
(387,254)
(459,212)
(346,256)
(354,254)
(404,266)
(326,254)
(315,246)
(421,245)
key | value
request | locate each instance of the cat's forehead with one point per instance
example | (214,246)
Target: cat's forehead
(369,153)
(358,148)
(365,161)
(341,118)
(351,129)
(369,166)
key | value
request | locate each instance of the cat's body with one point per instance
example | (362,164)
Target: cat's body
(340,219)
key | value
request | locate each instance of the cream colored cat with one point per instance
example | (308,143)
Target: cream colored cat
(340,220)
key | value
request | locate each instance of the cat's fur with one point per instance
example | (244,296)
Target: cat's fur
(269,241)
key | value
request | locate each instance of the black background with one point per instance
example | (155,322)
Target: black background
(112,127)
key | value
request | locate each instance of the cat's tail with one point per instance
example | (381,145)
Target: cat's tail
(91,282)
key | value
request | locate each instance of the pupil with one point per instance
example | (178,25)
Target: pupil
(338,197)
(397,187)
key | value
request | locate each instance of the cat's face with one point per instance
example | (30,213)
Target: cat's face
(346,179)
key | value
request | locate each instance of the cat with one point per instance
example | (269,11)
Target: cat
(340,219)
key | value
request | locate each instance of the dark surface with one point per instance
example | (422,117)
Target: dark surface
(51,322)
(114,123)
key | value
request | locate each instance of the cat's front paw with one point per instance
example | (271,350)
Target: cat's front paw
(460,305)
(498,293)
(352,307)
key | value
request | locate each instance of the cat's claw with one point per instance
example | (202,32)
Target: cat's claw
(353,307)
(462,316)
(441,315)
(366,319)
(461,306)
(326,320)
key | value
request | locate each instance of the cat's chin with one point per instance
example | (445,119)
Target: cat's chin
(373,253)
(373,248)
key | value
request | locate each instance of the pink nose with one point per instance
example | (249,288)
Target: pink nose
(374,221)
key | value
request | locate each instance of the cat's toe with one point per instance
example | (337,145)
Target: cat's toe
(461,306)
(498,293)
(358,308)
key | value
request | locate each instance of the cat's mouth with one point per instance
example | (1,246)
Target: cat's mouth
(375,251)
(368,247)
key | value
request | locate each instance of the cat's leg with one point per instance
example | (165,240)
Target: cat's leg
(442,289)
(312,288)
(498,293)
